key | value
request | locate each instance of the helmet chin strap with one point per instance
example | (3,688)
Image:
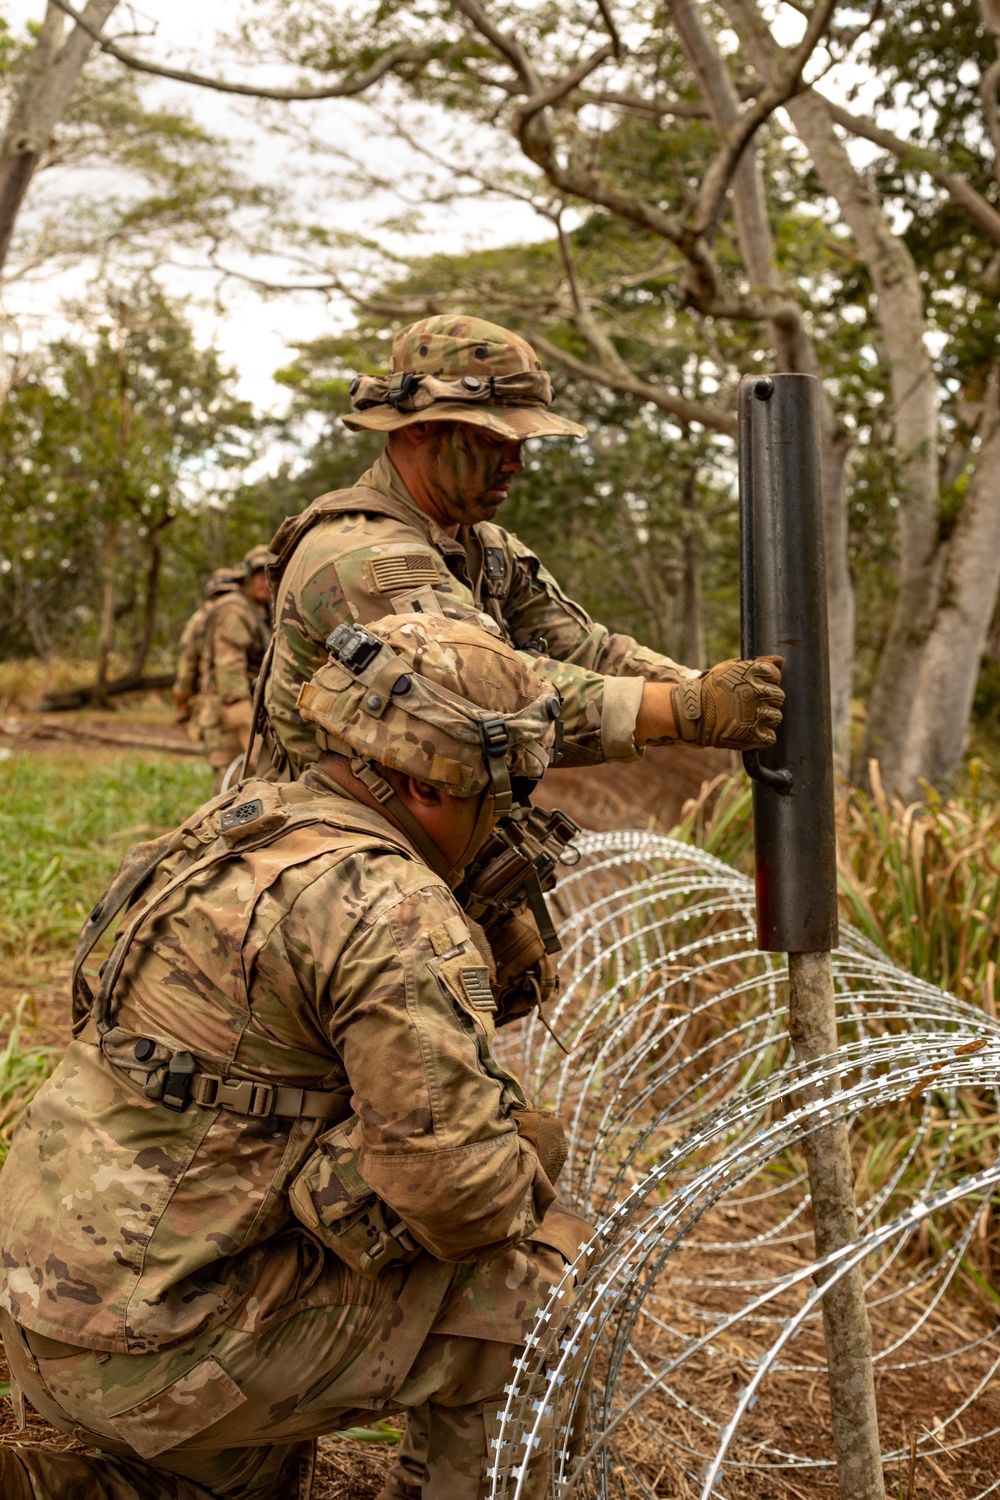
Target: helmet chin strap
(387,796)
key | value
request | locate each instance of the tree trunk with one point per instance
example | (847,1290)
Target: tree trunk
(152,600)
(39,104)
(694,654)
(950,660)
(915,421)
(107,631)
(31,613)
(65,700)
(794,351)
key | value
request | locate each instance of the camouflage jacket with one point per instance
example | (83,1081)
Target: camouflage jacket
(362,553)
(312,949)
(191,647)
(235,641)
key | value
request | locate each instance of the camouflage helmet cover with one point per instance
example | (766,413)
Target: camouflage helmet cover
(422,694)
(223,581)
(256,559)
(453,368)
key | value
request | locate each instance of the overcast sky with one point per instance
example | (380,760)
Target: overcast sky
(253,334)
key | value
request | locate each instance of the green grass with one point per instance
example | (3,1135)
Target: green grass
(65,823)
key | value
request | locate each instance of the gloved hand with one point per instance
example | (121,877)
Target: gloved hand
(545,1132)
(238,716)
(736,704)
(182,704)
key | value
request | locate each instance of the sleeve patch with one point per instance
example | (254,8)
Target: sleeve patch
(406,570)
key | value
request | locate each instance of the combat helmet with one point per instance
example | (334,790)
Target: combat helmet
(439,699)
(223,581)
(453,368)
(255,560)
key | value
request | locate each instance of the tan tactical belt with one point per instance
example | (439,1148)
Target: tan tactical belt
(181,1082)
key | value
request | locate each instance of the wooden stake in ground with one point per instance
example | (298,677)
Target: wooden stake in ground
(784,614)
(846,1329)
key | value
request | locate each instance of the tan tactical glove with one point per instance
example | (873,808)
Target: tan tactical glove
(238,716)
(526,976)
(736,704)
(182,704)
(545,1132)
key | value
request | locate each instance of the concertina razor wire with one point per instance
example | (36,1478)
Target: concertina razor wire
(694,1317)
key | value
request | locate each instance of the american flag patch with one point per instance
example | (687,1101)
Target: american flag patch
(407,570)
(476,984)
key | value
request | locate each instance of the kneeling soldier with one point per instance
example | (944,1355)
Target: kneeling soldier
(280,1183)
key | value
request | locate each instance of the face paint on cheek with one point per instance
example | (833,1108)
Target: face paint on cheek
(468,468)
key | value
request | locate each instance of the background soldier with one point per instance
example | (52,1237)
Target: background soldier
(280,1181)
(192,641)
(236,638)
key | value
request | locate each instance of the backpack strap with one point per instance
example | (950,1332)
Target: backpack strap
(249,818)
(134,871)
(359,498)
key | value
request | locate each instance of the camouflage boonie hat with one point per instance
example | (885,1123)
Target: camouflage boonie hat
(439,699)
(255,560)
(458,369)
(223,581)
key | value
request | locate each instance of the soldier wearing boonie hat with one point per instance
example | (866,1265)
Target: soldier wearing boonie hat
(235,638)
(417,532)
(289,1184)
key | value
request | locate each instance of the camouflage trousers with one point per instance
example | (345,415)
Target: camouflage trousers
(235,1414)
(220,744)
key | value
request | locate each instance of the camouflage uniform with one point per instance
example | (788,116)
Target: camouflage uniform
(279,1181)
(354,553)
(235,643)
(192,642)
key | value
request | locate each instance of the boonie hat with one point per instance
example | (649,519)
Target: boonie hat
(453,368)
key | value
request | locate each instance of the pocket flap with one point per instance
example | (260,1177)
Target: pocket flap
(200,1398)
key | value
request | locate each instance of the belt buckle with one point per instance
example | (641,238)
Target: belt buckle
(245,1097)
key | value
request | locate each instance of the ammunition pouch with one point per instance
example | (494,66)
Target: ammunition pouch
(504,890)
(526,975)
(333,1201)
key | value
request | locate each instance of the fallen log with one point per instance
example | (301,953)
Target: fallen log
(70,698)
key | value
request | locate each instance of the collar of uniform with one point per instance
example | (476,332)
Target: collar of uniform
(383,475)
(315,779)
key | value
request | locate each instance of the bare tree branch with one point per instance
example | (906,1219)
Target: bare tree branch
(565,85)
(990,81)
(40,102)
(508,46)
(720,173)
(613,33)
(958,189)
(630,385)
(635,104)
(401,53)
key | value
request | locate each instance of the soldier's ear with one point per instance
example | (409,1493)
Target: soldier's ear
(419,793)
(415,434)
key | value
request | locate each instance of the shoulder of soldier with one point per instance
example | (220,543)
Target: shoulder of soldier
(492,535)
(379,886)
(339,536)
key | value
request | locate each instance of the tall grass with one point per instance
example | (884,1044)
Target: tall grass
(65,823)
(922,881)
